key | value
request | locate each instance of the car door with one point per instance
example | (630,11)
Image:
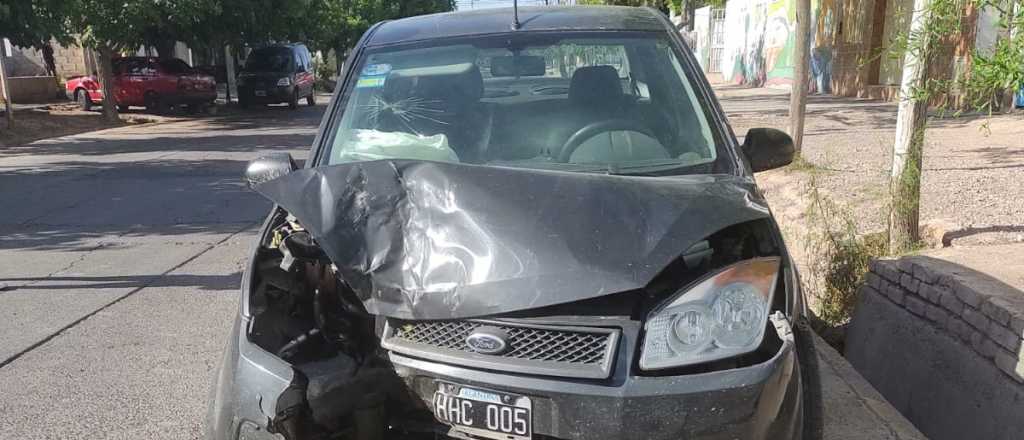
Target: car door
(140,75)
(303,72)
(122,87)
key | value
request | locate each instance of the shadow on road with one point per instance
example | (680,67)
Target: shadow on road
(201,282)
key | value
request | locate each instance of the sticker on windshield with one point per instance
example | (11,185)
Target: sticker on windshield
(376,69)
(369,82)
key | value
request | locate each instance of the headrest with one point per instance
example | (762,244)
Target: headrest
(453,87)
(595,85)
(429,100)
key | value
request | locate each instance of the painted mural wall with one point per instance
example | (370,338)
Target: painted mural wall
(761,39)
(702,35)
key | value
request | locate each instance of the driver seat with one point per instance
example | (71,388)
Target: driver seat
(597,89)
(595,95)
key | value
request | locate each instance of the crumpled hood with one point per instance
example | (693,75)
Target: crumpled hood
(431,240)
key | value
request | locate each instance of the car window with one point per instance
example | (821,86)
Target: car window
(140,68)
(270,59)
(307,62)
(576,104)
(175,66)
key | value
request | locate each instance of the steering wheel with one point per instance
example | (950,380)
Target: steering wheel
(595,128)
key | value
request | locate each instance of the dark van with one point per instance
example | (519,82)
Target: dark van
(276,74)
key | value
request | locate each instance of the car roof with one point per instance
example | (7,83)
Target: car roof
(499,20)
(280,46)
(149,59)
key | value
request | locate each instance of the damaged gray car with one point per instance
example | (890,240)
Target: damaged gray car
(532,225)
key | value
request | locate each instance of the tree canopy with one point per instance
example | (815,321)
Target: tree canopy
(33,23)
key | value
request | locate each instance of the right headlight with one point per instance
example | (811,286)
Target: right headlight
(722,316)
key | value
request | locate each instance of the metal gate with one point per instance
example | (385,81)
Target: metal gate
(717,45)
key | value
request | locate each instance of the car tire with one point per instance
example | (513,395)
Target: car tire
(82,97)
(810,376)
(122,108)
(154,104)
(294,102)
(311,99)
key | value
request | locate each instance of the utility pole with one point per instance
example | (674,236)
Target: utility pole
(801,58)
(3,84)
(905,179)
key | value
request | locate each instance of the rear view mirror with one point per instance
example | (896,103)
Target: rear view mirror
(269,167)
(768,148)
(518,66)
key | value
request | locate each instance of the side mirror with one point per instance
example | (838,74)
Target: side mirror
(768,148)
(269,167)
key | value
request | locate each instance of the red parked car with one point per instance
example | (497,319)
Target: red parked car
(156,84)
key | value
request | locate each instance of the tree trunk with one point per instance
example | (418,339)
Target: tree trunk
(801,60)
(164,48)
(691,14)
(107,82)
(905,179)
(229,64)
(5,87)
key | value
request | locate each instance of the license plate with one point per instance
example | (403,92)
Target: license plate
(260,93)
(484,413)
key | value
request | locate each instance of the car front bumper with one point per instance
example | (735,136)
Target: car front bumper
(762,401)
(191,97)
(757,402)
(271,94)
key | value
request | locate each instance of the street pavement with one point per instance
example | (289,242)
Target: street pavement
(120,257)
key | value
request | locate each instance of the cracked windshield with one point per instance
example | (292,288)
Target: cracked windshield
(568,103)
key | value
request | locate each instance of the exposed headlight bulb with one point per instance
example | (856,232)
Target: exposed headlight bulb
(720,316)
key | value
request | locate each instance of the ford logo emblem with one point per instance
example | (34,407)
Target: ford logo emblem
(488,340)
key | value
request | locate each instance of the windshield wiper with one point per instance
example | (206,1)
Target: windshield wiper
(651,170)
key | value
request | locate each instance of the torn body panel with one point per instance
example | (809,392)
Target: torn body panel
(427,240)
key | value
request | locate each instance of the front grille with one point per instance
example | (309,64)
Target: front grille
(548,350)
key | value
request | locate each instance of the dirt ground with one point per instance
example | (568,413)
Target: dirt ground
(32,123)
(973,177)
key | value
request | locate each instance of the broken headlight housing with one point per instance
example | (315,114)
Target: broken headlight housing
(723,315)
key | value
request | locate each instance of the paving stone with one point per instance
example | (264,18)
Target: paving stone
(1010,364)
(967,294)
(950,302)
(1017,324)
(997,309)
(989,348)
(925,273)
(887,269)
(909,283)
(915,305)
(895,293)
(1005,337)
(929,292)
(937,314)
(872,279)
(978,341)
(906,265)
(976,319)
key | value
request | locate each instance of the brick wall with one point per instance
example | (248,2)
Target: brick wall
(943,343)
(70,61)
(989,322)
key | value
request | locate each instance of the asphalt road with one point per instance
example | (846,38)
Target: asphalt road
(121,252)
